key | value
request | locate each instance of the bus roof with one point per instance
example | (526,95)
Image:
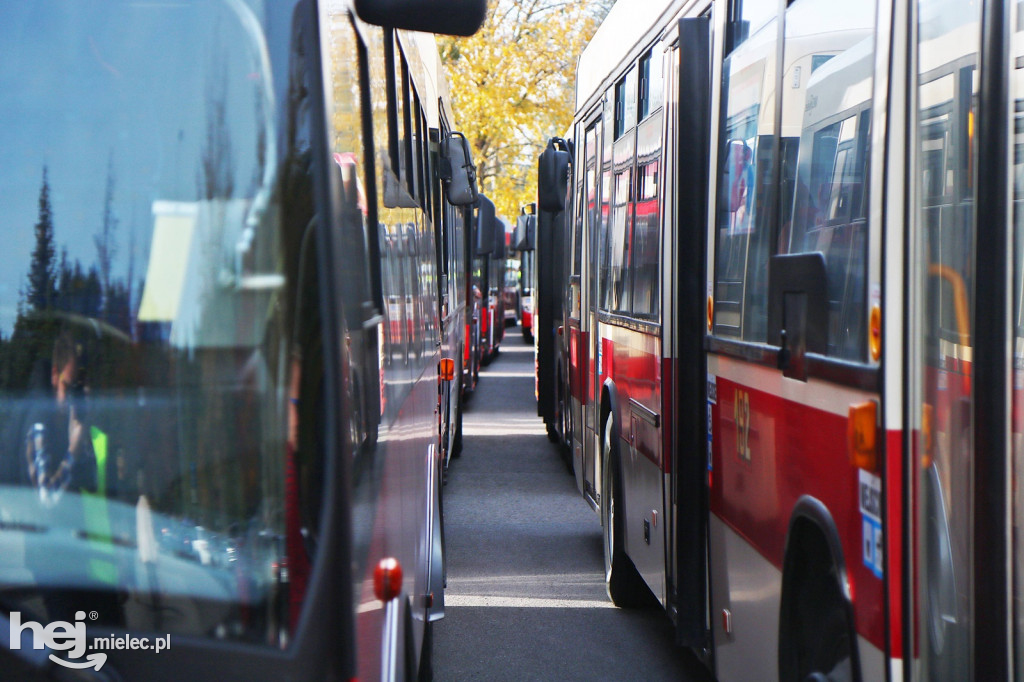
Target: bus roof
(626,24)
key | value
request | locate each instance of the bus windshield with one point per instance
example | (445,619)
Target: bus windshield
(146,311)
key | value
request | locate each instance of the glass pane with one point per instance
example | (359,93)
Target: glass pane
(946,93)
(829,59)
(750,16)
(656,81)
(158,316)
(646,255)
(1017,92)
(745,187)
(616,249)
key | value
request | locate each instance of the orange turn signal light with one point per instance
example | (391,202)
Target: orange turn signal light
(387,579)
(875,331)
(862,435)
(446,369)
(711,312)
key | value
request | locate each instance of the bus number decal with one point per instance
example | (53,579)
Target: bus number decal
(741,411)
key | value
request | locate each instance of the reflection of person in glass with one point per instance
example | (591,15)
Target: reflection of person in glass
(741,185)
(66,459)
(60,449)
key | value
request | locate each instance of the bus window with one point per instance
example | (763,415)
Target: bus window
(945,215)
(651,84)
(825,127)
(1017,420)
(625,103)
(646,251)
(588,215)
(746,188)
(615,250)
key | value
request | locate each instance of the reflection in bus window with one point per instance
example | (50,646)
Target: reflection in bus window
(645,254)
(154,468)
(745,168)
(828,195)
(1017,420)
(946,94)
(615,249)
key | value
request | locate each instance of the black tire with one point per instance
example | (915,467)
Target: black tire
(457,438)
(564,429)
(625,586)
(552,432)
(527,336)
(426,671)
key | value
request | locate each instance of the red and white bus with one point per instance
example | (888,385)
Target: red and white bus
(792,330)
(230,315)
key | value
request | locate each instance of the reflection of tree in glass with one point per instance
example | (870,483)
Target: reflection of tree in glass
(105,241)
(215,177)
(42,279)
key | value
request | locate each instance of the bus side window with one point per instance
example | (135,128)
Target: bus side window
(825,151)
(616,286)
(405,150)
(746,189)
(646,251)
(393,105)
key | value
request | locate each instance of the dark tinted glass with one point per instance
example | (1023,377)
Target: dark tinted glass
(158,315)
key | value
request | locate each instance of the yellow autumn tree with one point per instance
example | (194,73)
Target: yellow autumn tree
(513,86)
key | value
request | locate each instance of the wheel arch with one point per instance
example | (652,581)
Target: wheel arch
(812,534)
(609,406)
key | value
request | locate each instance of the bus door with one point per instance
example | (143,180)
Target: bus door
(582,342)
(965,333)
(688,79)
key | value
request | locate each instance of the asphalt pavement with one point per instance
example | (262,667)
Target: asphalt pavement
(526,598)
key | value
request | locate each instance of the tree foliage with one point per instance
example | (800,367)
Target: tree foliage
(513,87)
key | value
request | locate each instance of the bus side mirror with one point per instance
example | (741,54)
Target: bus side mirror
(486,222)
(451,17)
(553,175)
(797,309)
(525,237)
(457,170)
(501,238)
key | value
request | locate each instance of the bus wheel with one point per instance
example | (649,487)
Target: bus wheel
(552,433)
(565,430)
(625,586)
(426,670)
(457,438)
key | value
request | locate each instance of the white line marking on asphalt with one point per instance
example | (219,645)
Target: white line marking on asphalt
(524,602)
